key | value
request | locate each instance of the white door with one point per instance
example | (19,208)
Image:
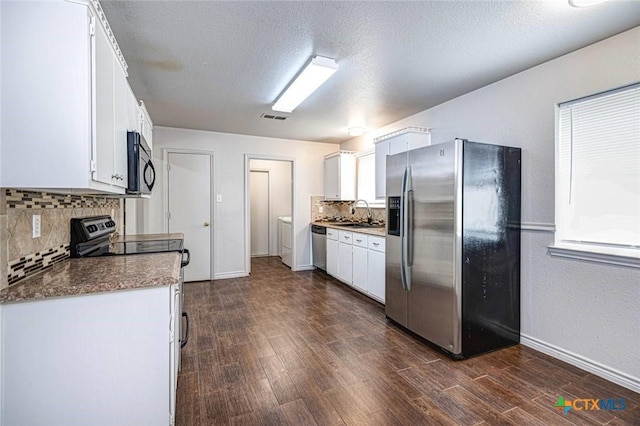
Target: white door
(259,191)
(189,196)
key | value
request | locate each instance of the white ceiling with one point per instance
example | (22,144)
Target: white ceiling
(218,66)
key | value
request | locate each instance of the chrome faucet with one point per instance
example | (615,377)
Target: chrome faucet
(353,209)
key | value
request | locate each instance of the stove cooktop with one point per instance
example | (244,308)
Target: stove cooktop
(90,238)
(107,248)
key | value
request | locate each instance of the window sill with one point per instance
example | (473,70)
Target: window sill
(612,256)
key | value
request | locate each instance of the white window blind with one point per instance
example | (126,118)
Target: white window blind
(598,176)
(366,178)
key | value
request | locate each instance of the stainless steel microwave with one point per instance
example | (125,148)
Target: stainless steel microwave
(142,174)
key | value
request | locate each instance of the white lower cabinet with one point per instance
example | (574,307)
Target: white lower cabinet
(358,260)
(100,359)
(345,256)
(375,271)
(360,278)
(332,252)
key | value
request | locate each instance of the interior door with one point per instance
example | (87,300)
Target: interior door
(259,198)
(189,197)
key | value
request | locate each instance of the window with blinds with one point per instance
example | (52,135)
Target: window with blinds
(366,178)
(598,172)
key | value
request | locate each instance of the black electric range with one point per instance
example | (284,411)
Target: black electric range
(91,237)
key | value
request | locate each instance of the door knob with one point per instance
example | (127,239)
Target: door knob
(206,224)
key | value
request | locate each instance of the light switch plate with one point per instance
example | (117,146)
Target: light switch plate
(36,226)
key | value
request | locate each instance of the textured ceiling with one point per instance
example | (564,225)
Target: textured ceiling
(217,66)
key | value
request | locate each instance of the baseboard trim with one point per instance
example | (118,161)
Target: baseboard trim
(303,268)
(227,275)
(586,364)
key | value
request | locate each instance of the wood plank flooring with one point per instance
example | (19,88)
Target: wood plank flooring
(284,348)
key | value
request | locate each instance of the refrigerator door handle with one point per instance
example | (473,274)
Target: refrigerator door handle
(403,230)
(408,229)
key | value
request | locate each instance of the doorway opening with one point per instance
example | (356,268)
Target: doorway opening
(269,209)
(260,213)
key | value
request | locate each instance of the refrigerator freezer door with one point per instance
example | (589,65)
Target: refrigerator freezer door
(434,299)
(395,294)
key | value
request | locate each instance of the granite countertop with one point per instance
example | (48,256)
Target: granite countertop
(97,275)
(147,237)
(378,232)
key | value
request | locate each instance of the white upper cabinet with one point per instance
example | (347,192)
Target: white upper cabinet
(125,120)
(395,143)
(340,176)
(104,108)
(64,80)
(146,125)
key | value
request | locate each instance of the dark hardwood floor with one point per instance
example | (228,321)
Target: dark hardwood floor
(301,348)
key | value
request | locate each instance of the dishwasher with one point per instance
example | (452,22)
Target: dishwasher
(319,246)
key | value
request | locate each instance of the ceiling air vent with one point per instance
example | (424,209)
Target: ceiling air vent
(274,117)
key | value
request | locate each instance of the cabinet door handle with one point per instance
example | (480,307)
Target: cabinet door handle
(359,241)
(346,238)
(376,244)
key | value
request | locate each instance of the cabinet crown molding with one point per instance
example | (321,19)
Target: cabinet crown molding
(341,152)
(410,129)
(107,28)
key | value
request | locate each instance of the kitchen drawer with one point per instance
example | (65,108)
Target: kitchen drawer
(376,243)
(332,234)
(360,240)
(345,237)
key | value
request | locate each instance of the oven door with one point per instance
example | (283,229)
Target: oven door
(184,317)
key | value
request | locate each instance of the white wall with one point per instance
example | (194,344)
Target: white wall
(229,181)
(279,194)
(582,310)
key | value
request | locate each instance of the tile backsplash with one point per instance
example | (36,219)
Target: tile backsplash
(341,211)
(20,254)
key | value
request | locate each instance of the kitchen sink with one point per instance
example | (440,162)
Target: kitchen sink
(357,225)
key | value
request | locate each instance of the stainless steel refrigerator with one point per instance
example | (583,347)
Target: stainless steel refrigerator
(453,245)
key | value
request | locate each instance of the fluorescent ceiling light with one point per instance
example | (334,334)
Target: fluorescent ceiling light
(316,72)
(585,3)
